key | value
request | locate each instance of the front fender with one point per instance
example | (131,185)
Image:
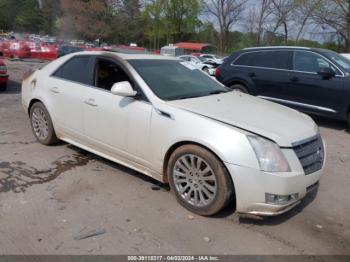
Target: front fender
(230,144)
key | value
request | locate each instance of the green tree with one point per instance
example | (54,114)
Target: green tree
(181,18)
(154,22)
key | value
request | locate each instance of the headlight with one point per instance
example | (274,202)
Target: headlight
(269,154)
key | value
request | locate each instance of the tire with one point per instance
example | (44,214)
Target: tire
(42,126)
(191,190)
(206,70)
(239,88)
(349,119)
(3,87)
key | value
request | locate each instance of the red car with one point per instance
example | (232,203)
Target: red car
(3,76)
(16,49)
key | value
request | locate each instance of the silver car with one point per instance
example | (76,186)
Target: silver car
(168,120)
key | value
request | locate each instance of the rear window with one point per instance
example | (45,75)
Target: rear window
(266,59)
(75,70)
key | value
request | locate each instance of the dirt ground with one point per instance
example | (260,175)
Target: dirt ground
(53,198)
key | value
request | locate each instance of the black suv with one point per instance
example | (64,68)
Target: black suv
(315,81)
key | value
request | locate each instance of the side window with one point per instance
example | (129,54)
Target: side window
(310,62)
(246,59)
(75,70)
(107,73)
(193,60)
(266,59)
(185,58)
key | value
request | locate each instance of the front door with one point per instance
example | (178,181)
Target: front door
(310,91)
(116,124)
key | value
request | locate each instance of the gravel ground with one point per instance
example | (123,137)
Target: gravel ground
(63,200)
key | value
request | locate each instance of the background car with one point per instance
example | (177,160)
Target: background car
(198,63)
(346,55)
(3,76)
(214,147)
(16,49)
(315,81)
(213,59)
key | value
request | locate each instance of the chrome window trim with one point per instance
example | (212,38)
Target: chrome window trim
(322,56)
(299,104)
(279,47)
(286,70)
(93,87)
(113,59)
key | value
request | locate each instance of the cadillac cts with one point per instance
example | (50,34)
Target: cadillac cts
(168,120)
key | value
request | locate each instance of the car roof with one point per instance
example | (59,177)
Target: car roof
(319,50)
(277,47)
(127,56)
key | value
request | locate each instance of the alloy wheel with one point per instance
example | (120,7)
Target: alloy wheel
(194,180)
(40,123)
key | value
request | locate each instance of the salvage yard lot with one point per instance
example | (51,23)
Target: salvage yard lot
(53,198)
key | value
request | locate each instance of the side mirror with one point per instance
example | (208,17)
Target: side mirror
(123,89)
(326,72)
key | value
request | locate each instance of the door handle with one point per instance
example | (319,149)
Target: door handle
(55,90)
(252,74)
(91,102)
(294,79)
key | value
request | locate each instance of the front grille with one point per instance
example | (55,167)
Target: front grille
(310,154)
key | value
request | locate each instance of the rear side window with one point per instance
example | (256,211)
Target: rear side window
(266,59)
(75,70)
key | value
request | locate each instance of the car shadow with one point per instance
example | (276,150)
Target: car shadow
(331,123)
(13,87)
(155,184)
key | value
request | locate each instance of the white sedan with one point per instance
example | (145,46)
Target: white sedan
(212,58)
(196,62)
(167,120)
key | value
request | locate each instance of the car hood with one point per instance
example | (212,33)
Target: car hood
(276,122)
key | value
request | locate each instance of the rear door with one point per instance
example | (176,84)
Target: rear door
(66,87)
(267,70)
(311,92)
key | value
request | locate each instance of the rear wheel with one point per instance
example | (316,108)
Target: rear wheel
(42,124)
(199,180)
(349,119)
(239,88)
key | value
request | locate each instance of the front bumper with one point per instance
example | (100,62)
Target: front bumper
(212,71)
(251,186)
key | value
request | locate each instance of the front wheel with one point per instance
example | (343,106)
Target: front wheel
(199,180)
(42,124)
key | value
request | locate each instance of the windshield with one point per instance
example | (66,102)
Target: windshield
(172,80)
(203,59)
(339,60)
